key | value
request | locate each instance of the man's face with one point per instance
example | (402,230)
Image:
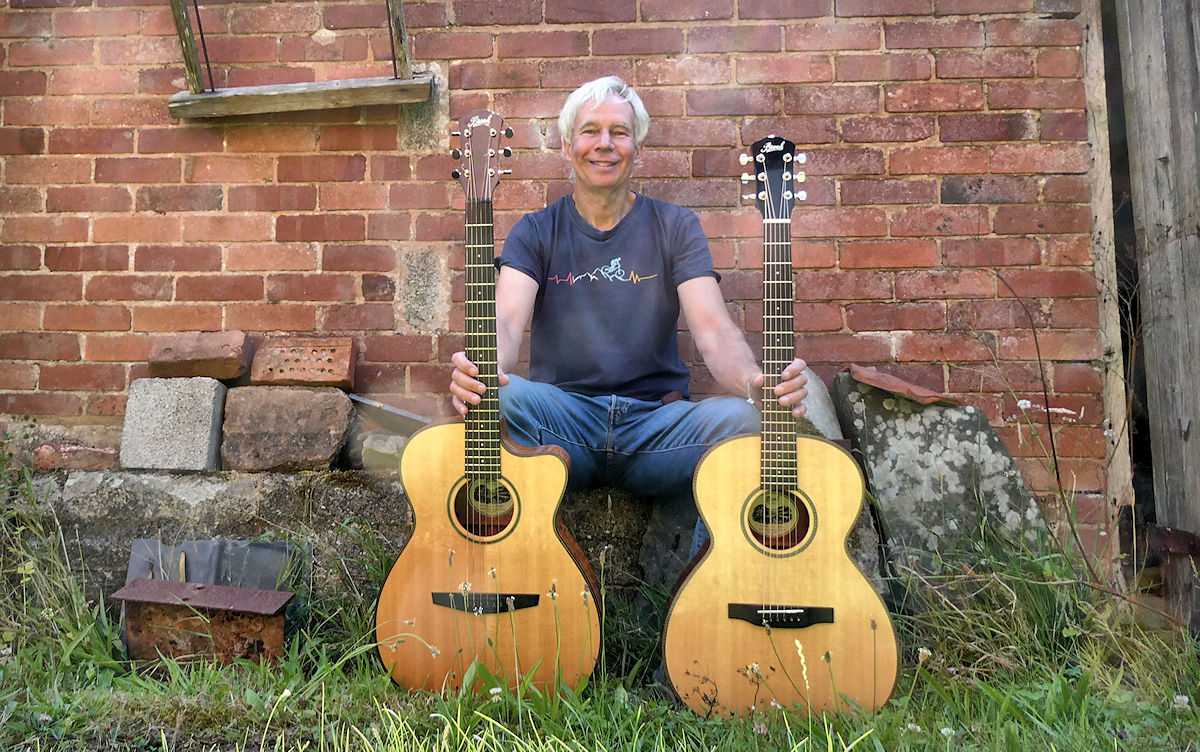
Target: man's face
(601,148)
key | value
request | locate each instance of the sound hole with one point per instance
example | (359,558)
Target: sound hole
(777,520)
(484,508)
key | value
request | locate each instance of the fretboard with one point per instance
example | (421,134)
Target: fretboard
(483,420)
(778,426)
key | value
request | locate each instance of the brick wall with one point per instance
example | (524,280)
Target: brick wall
(948,194)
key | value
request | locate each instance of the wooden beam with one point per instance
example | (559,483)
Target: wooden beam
(1160,64)
(187,42)
(399,38)
(321,95)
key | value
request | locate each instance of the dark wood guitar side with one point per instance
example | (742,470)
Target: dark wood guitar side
(489,574)
(776,613)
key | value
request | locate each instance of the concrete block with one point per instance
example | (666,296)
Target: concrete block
(173,424)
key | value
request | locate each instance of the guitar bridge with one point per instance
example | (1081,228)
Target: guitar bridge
(781,617)
(486,603)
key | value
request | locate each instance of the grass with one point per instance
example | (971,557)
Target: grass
(1012,649)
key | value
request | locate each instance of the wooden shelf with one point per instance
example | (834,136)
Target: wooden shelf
(321,95)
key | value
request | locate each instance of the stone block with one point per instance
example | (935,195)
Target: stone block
(46,446)
(284,428)
(304,361)
(381,452)
(218,355)
(937,471)
(173,424)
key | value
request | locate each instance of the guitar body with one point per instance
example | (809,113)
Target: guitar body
(724,665)
(464,592)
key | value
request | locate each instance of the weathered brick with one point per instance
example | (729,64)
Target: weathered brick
(128,287)
(22,83)
(933,34)
(322,167)
(987,126)
(582,11)
(179,198)
(886,317)
(138,169)
(1077,313)
(988,252)
(888,254)
(20,257)
(40,286)
(1016,220)
(45,346)
(471,74)
(883,7)
(843,285)
(884,67)
(933,97)
(50,53)
(176,318)
(316,227)
(90,141)
(686,10)
(271,317)
(825,223)
(1046,32)
(1049,94)
(857,192)
(219,287)
(996,314)
(397,348)
(272,198)
(987,63)
(229,168)
(952,346)
(18,376)
(537,44)
(842,348)
(310,287)
(498,12)
(78,377)
(452,45)
(1048,283)
(741,100)
(1064,126)
(177,258)
(837,36)
(965,7)
(40,403)
(639,41)
(773,9)
(88,198)
(119,348)
(937,220)
(989,189)
(945,284)
(888,128)
(836,99)
(270,257)
(22,141)
(359,317)
(760,38)
(86,318)
(941,160)
(45,229)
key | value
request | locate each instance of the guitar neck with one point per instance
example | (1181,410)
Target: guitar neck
(778,426)
(483,420)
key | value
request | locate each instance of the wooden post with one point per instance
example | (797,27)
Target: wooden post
(1160,61)
(187,41)
(399,38)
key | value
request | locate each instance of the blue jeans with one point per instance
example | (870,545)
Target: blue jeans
(648,448)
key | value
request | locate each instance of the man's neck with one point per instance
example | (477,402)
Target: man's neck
(603,211)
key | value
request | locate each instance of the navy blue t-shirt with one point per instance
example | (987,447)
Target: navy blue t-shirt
(607,309)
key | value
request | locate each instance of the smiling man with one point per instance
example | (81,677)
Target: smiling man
(601,277)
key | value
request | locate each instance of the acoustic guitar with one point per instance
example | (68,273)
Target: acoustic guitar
(489,575)
(775,613)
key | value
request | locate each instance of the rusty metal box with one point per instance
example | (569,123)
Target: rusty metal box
(186,620)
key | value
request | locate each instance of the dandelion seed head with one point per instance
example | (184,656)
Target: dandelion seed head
(923,656)
(286,694)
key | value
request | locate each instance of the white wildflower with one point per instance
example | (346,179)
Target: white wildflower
(1182,702)
(947,732)
(923,656)
(913,728)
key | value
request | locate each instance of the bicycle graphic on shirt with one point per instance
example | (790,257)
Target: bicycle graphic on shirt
(611,271)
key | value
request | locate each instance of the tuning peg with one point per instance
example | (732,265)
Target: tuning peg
(456,153)
(800,177)
(802,157)
(455,174)
(508,132)
(505,172)
(801,195)
(747,177)
(749,196)
(506,151)
(744,158)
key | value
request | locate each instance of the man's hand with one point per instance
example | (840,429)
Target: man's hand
(465,387)
(791,389)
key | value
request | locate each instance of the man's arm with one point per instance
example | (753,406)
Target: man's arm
(515,295)
(724,349)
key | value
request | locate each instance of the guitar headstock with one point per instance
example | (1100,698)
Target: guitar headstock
(479,151)
(776,170)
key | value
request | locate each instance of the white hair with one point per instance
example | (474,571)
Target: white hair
(598,91)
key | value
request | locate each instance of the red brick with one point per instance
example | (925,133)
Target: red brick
(358,138)
(1017,220)
(857,192)
(837,36)
(995,377)
(343,196)
(20,257)
(1014,32)
(938,220)
(888,254)
(989,252)
(565,73)
(833,99)
(247,49)
(275,138)
(28,23)
(40,286)
(1069,189)
(574,11)
(18,376)
(271,317)
(933,34)
(933,347)
(40,403)
(943,160)
(1049,94)
(687,71)
(1048,283)
(45,229)
(995,314)
(888,128)
(844,348)
(967,7)
(141,51)
(398,226)
(179,140)
(943,285)
(790,69)
(20,200)
(116,348)
(128,287)
(177,258)
(51,53)
(1077,377)
(932,97)
(229,168)
(272,198)
(390,167)
(1068,251)
(22,83)
(179,198)
(137,170)
(378,287)
(471,74)
(989,126)
(219,287)
(39,346)
(647,41)
(316,227)
(86,318)
(809,317)
(773,9)
(110,405)
(825,223)
(455,45)
(686,10)
(78,377)
(708,132)
(538,44)
(884,67)
(1060,64)
(888,317)
(741,100)
(276,19)
(88,198)
(358,317)
(397,348)
(843,285)
(176,318)
(20,317)
(497,12)
(758,38)
(91,141)
(22,141)
(361,16)
(245,228)
(1041,158)
(136,228)
(1064,126)
(270,257)
(989,189)
(338,287)
(987,63)
(354,258)
(129,110)
(1079,313)
(1053,345)
(42,170)
(325,167)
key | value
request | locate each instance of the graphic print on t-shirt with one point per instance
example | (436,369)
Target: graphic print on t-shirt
(611,271)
